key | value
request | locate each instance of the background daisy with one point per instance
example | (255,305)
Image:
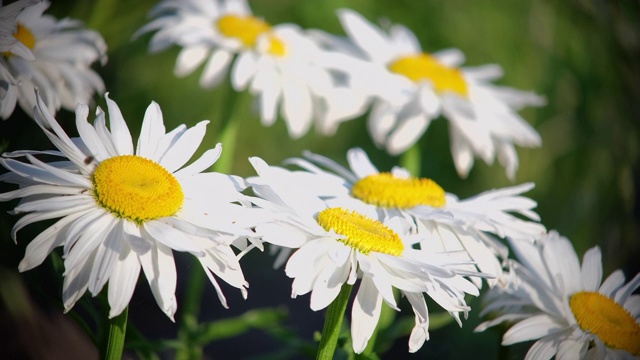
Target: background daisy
(483,121)
(566,308)
(279,64)
(56,57)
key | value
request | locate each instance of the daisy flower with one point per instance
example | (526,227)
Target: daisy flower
(567,308)
(483,121)
(277,64)
(122,209)
(334,246)
(441,220)
(54,56)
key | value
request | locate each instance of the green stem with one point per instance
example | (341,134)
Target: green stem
(114,341)
(411,160)
(189,325)
(333,323)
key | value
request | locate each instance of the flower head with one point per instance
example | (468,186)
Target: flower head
(565,307)
(333,246)
(277,64)
(122,209)
(439,219)
(54,56)
(483,121)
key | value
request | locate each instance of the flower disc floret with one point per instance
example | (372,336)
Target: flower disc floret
(136,188)
(387,190)
(245,28)
(25,36)
(424,67)
(362,233)
(602,316)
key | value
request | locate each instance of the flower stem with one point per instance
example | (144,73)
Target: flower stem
(333,323)
(114,342)
(191,307)
(411,160)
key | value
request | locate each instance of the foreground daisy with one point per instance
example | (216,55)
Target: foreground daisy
(122,208)
(335,246)
(566,307)
(277,64)
(440,220)
(482,117)
(54,56)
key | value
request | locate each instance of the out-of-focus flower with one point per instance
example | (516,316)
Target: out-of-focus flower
(122,208)
(441,221)
(277,64)
(53,56)
(483,121)
(334,246)
(566,307)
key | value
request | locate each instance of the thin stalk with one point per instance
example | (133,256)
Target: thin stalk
(189,325)
(333,324)
(114,341)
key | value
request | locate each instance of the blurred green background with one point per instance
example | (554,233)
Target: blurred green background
(584,56)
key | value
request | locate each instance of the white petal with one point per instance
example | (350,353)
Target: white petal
(184,147)
(366,35)
(119,130)
(189,59)
(122,282)
(365,314)
(151,132)
(592,269)
(216,68)
(160,271)
(532,328)
(612,283)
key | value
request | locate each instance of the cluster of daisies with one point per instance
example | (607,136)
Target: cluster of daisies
(121,207)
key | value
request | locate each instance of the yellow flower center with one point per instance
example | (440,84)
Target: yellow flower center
(424,67)
(245,28)
(136,188)
(277,47)
(605,318)
(386,190)
(25,36)
(363,233)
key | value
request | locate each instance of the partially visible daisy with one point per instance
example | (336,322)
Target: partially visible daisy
(334,246)
(277,64)
(54,56)
(566,308)
(10,37)
(441,220)
(483,119)
(123,208)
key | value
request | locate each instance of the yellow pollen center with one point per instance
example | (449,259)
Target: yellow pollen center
(136,188)
(424,67)
(245,28)
(277,47)
(362,233)
(607,319)
(25,36)
(386,190)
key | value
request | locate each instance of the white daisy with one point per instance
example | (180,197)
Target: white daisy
(564,306)
(59,65)
(441,221)
(276,64)
(123,208)
(334,246)
(483,121)
(10,43)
